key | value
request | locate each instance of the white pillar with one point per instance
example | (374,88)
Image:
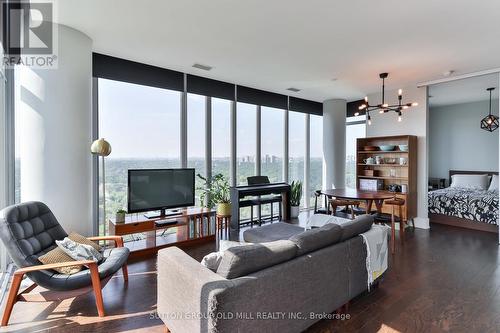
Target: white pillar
(334,127)
(54,110)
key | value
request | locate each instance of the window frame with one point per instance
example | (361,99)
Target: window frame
(208,143)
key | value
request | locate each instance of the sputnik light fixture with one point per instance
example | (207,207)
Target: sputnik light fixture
(385,107)
(490,122)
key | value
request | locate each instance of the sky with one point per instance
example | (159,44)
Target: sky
(144,122)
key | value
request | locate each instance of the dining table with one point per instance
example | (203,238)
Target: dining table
(369,197)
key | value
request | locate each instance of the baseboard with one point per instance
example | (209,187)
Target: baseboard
(421,222)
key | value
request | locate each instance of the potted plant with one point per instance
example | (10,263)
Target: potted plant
(120,216)
(295,196)
(216,192)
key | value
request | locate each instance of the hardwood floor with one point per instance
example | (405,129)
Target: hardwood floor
(445,279)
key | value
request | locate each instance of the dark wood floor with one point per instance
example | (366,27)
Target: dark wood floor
(442,280)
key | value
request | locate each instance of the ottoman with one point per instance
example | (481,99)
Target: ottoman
(271,232)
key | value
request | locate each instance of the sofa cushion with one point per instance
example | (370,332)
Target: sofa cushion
(213,259)
(271,232)
(357,226)
(243,260)
(317,238)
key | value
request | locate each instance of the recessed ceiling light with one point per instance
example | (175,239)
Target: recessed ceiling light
(293,89)
(202,67)
(448,73)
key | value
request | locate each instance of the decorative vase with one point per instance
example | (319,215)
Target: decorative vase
(294,212)
(120,218)
(224,209)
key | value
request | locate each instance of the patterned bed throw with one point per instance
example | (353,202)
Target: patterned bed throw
(475,205)
(376,240)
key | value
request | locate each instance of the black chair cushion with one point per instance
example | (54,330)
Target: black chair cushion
(114,258)
(30,229)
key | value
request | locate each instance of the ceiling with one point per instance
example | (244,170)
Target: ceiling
(463,91)
(274,45)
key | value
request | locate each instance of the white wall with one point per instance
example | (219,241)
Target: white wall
(54,110)
(414,123)
(456,141)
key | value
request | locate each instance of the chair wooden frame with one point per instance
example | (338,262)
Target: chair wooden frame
(97,285)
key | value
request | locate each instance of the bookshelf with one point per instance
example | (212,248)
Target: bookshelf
(389,170)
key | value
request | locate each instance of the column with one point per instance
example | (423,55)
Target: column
(54,110)
(334,131)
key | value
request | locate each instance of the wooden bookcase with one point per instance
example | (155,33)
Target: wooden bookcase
(391,173)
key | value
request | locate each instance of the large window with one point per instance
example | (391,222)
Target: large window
(196,105)
(272,143)
(296,147)
(356,128)
(246,132)
(142,124)
(221,136)
(316,151)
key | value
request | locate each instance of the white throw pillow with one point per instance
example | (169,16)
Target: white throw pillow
(472,182)
(212,260)
(79,251)
(494,183)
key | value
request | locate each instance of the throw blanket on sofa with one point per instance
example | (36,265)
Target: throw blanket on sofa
(377,250)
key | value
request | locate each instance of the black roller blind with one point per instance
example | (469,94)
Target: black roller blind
(306,106)
(107,67)
(209,87)
(261,97)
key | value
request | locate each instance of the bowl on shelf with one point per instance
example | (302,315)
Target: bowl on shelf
(403,147)
(387,147)
(370,148)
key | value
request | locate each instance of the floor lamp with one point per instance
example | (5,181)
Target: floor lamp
(102,148)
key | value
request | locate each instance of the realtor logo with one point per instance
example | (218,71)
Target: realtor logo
(28,33)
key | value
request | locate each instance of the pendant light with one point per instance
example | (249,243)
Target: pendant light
(385,107)
(490,122)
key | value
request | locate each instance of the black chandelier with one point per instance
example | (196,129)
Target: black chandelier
(490,122)
(384,107)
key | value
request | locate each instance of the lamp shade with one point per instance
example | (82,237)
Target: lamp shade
(100,147)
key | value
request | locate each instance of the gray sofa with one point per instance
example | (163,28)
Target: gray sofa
(263,287)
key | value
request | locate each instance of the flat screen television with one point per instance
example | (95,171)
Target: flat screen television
(159,189)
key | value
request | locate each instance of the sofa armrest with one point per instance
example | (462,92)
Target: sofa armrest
(186,291)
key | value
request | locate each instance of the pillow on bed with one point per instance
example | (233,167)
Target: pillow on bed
(494,183)
(472,182)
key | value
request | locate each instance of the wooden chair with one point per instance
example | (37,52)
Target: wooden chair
(318,195)
(399,203)
(28,231)
(348,204)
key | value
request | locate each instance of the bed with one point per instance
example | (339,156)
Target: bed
(468,208)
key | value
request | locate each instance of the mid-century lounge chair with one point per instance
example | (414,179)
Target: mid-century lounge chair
(28,231)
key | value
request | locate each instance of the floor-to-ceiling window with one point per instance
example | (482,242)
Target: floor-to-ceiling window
(296,147)
(316,153)
(221,136)
(272,143)
(142,124)
(246,147)
(356,128)
(196,105)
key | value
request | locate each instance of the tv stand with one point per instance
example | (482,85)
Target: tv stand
(192,226)
(162,213)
